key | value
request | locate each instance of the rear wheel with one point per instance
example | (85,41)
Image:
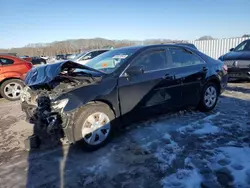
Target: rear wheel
(11,89)
(209,97)
(93,125)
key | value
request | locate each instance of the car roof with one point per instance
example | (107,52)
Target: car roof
(141,47)
(15,58)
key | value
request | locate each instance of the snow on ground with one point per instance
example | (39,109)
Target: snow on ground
(236,162)
(207,129)
(183,178)
(187,149)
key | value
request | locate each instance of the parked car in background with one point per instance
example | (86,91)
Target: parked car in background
(12,73)
(72,56)
(25,57)
(238,61)
(44,57)
(86,103)
(84,57)
(60,57)
(67,56)
(38,60)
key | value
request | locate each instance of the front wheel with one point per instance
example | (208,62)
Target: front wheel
(209,97)
(93,125)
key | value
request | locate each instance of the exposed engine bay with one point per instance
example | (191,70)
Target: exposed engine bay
(39,97)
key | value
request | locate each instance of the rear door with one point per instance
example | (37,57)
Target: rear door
(6,65)
(191,70)
(155,88)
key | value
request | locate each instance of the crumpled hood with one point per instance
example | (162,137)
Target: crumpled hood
(44,74)
(244,55)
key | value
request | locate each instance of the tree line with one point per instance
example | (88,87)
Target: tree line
(77,46)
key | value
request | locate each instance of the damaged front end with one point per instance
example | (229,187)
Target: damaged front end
(41,101)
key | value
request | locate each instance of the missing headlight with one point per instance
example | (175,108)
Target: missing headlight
(59,104)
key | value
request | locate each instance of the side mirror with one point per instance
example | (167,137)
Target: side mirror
(232,49)
(87,57)
(134,70)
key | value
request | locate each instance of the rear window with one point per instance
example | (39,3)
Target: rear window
(6,61)
(244,46)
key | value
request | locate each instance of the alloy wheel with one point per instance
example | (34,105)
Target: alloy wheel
(210,96)
(13,90)
(96,128)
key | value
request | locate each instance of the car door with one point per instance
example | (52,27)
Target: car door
(5,66)
(191,70)
(154,88)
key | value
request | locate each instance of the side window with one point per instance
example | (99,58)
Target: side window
(5,61)
(245,45)
(152,60)
(180,58)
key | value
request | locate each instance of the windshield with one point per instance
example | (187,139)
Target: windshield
(244,46)
(108,62)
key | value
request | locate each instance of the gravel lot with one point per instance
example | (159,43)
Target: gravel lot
(186,149)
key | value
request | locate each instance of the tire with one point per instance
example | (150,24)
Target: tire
(81,122)
(203,105)
(5,89)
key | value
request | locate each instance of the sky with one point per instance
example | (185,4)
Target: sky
(42,21)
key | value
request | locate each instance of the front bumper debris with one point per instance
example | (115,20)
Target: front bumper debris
(47,124)
(51,124)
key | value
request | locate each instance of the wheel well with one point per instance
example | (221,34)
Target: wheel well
(8,79)
(217,83)
(105,103)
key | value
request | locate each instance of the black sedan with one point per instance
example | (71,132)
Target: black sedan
(238,61)
(38,60)
(86,103)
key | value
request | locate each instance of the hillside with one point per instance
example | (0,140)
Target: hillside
(77,45)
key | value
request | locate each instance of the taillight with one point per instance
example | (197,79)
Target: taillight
(224,67)
(28,65)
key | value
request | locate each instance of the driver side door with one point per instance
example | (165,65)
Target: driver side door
(150,91)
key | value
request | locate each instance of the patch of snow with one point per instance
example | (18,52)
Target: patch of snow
(183,178)
(239,164)
(167,157)
(211,116)
(207,129)
(165,152)
(102,165)
(167,136)
(199,123)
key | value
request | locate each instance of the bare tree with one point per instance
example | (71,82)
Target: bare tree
(76,46)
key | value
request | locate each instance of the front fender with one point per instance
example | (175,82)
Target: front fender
(81,96)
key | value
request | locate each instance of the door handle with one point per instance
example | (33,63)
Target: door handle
(167,77)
